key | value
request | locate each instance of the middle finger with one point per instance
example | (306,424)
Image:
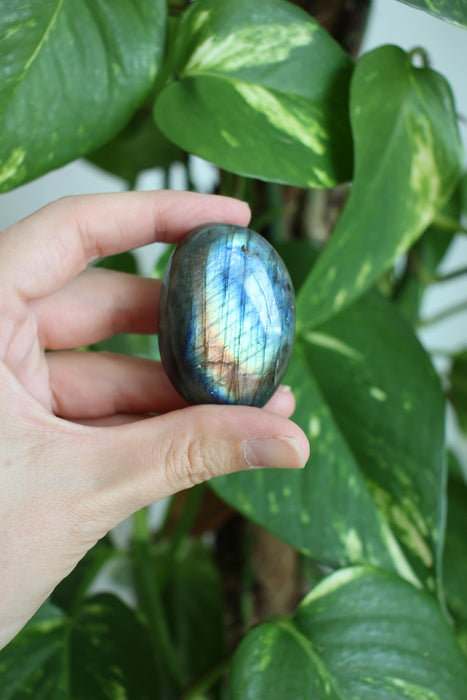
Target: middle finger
(96,305)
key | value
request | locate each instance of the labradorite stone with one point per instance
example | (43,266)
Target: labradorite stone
(227,317)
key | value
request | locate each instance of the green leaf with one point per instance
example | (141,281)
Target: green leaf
(139,146)
(71,76)
(263,94)
(387,402)
(70,592)
(361,633)
(34,663)
(161,262)
(458,388)
(192,595)
(407,165)
(133,344)
(110,652)
(122,262)
(426,256)
(371,405)
(102,653)
(454,11)
(455,551)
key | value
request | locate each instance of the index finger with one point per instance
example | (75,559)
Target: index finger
(47,249)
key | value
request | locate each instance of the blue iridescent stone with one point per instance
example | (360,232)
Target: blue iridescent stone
(227,317)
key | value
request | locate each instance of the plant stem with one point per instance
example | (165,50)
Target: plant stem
(151,603)
(442,315)
(187,517)
(275,204)
(207,681)
(450,275)
(448,223)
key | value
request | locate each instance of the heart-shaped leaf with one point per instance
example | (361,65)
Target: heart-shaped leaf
(454,11)
(263,94)
(71,76)
(407,165)
(103,653)
(371,404)
(361,633)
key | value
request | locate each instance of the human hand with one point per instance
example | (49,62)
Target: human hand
(78,452)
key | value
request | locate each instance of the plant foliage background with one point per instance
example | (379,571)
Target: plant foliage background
(376,524)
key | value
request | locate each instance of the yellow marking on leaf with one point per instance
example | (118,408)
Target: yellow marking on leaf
(334,582)
(407,532)
(272,501)
(340,298)
(265,653)
(249,46)
(410,535)
(12,164)
(298,123)
(314,427)
(425,180)
(378,394)
(200,20)
(231,140)
(365,272)
(244,504)
(353,544)
(21,26)
(321,177)
(400,562)
(331,343)
(411,691)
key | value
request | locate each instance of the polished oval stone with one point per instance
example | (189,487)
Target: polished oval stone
(227,317)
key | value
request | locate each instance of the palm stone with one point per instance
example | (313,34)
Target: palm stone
(226,317)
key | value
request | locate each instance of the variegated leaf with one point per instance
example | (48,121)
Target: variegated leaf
(260,93)
(361,633)
(454,11)
(71,75)
(101,652)
(408,161)
(372,407)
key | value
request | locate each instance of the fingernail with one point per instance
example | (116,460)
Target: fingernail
(285,389)
(280,453)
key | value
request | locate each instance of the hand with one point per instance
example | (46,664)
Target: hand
(78,452)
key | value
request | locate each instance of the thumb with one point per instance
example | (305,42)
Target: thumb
(154,458)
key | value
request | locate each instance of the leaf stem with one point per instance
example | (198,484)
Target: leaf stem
(150,600)
(448,223)
(450,275)
(187,517)
(442,315)
(207,681)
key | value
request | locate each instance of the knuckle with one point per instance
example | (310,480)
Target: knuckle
(188,461)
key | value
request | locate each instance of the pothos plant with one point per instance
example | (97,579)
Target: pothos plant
(368,580)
